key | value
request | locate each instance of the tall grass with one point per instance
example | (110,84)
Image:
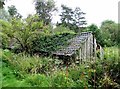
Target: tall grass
(111,53)
(20,70)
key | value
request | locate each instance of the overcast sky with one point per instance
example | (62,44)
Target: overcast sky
(96,10)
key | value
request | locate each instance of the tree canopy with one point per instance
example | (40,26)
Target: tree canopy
(2,3)
(13,12)
(74,19)
(44,9)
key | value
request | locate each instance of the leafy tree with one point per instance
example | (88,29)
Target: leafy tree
(25,33)
(79,17)
(20,34)
(96,33)
(118,36)
(44,9)
(110,29)
(107,35)
(66,15)
(5,33)
(2,3)
(4,15)
(13,12)
(73,19)
(93,28)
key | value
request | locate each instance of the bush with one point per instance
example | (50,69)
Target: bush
(51,43)
(38,80)
(61,80)
(24,70)
(62,30)
(111,53)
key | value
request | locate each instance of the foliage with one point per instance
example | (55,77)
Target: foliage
(4,15)
(2,3)
(13,12)
(97,34)
(35,35)
(118,36)
(66,15)
(5,32)
(109,31)
(74,19)
(60,79)
(93,28)
(51,43)
(44,9)
(79,18)
(107,71)
(102,73)
(62,30)
(107,35)
(20,35)
(111,53)
(38,80)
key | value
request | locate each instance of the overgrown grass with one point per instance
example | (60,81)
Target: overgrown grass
(19,70)
(111,53)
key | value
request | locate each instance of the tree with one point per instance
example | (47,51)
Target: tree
(66,15)
(73,19)
(118,35)
(110,29)
(93,28)
(96,33)
(2,3)
(19,35)
(79,17)
(13,12)
(5,33)
(4,15)
(44,9)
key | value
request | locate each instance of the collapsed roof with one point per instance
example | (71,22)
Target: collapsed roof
(74,45)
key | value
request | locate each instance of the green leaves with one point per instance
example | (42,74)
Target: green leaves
(19,34)
(51,43)
(109,31)
(38,80)
(13,12)
(24,70)
(44,9)
(73,19)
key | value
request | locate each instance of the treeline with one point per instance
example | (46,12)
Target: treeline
(108,33)
(36,32)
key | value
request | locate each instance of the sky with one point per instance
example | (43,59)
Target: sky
(96,10)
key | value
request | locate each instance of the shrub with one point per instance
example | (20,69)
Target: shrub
(38,80)
(111,53)
(61,80)
(51,43)
(62,30)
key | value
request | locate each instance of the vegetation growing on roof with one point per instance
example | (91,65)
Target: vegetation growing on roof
(22,37)
(51,43)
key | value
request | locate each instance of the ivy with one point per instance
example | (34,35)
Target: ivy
(51,43)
